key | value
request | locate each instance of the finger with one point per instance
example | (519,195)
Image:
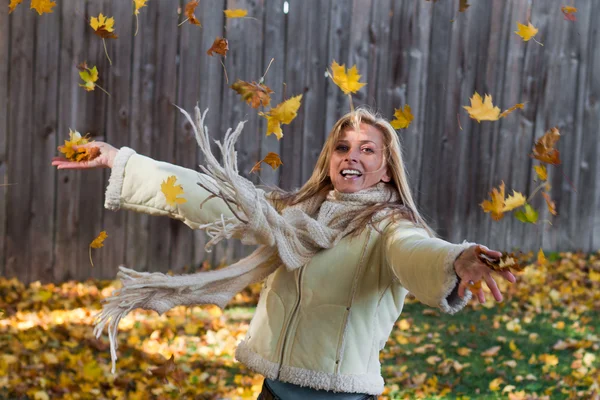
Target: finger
(481,296)
(77,165)
(508,276)
(491,283)
(461,289)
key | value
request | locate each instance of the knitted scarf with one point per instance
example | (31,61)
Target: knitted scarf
(288,238)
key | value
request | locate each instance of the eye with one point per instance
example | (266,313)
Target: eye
(341,147)
(368,150)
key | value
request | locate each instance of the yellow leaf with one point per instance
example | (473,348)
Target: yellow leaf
(495,384)
(549,203)
(99,241)
(103,27)
(594,276)
(508,388)
(89,76)
(515,200)
(541,259)
(549,359)
(273,125)
(41,395)
(482,110)
(138,4)
(496,205)
(171,191)
(91,371)
(464,351)
(237,13)
(348,82)
(526,31)
(13,4)
(403,118)
(284,113)
(75,139)
(271,158)
(491,352)
(42,6)
(541,172)
(513,108)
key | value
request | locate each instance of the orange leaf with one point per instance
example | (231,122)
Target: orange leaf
(513,108)
(550,203)
(171,191)
(544,150)
(219,46)
(496,205)
(569,13)
(99,241)
(253,93)
(541,172)
(13,4)
(42,6)
(272,159)
(189,12)
(238,13)
(75,139)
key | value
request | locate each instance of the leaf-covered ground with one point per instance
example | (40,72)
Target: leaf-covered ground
(542,342)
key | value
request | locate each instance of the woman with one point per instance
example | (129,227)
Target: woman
(339,256)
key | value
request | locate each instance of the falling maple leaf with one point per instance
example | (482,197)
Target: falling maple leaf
(42,6)
(89,77)
(137,4)
(97,243)
(103,27)
(513,108)
(527,32)
(482,110)
(549,203)
(171,191)
(403,118)
(528,215)
(253,93)
(348,82)
(75,139)
(284,113)
(13,4)
(514,201)
(271,158)
(541,172)
(569,12)
(219,46)
(544,150)
(496,205)
(190,7)
(463,5)
(238,13)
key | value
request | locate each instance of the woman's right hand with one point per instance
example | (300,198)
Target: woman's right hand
(104,160)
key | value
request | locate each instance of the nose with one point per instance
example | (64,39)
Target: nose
(353,155)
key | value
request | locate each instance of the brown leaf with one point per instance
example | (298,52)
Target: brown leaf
(189,12)
(544,150)
(219,46)
(272,159)
(253,93)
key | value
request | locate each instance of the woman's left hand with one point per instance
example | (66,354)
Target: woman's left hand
(471,269)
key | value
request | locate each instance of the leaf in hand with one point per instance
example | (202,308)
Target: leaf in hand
(171,191)
(504,262)
(513,108)
(13,4)
(189,12)
(549,203)
(526,31)
(42,6)
(569,13)
(482,110)
(253,93)
(528,215)
(238,13)
(544,150)
(271,158)
(403,118)
(284,113)
(75,139)
(348,82)
(219,46)
(103,27)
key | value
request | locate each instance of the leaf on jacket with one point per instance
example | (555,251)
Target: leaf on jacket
(284,113)
(81,154)
(348,82)
(219,46)
(137,4)
(237,13)
(42,6)
(13,4)
(569,13)
(97,243)
(541,172)
(527,32)
(103,27)
(271,158)
(253,93)
(513,108)
(527,215)
(544,150)
(190,8)
(403,117)
(551,205)
(171,191)
(482,110)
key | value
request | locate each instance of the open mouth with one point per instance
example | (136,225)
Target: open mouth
(351,173)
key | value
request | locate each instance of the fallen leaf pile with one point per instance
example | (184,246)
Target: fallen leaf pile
(542,342)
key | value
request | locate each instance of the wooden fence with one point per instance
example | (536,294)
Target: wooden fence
(422,53)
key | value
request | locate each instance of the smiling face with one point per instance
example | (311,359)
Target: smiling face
(357,160)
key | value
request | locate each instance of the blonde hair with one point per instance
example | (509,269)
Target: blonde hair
(320,183)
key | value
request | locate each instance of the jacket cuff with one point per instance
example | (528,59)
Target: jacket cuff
(451,303)
(112,199)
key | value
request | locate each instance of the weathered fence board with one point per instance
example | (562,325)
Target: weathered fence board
(424,54)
